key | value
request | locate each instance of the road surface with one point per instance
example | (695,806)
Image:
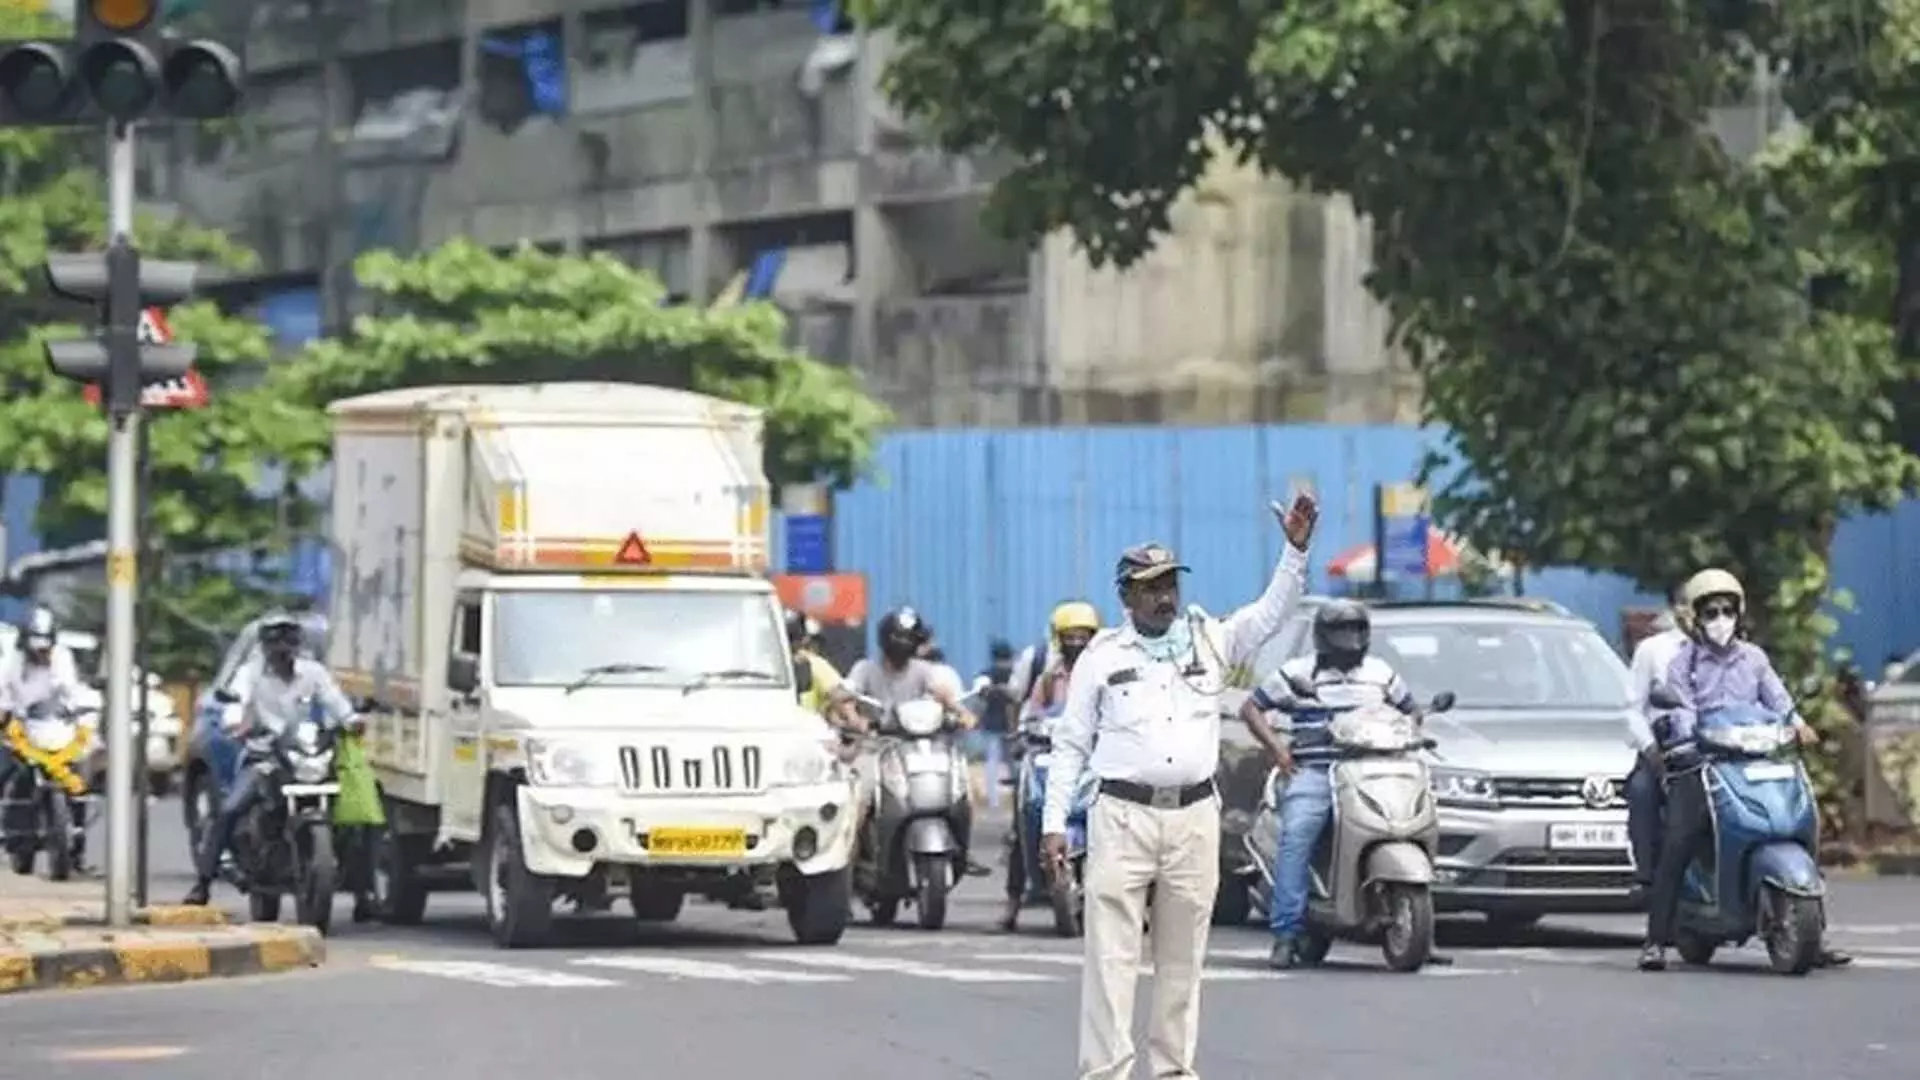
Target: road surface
(723,994)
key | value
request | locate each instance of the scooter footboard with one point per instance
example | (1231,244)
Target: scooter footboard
(1787,866)
(1398,860)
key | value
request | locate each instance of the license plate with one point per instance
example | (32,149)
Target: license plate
(707,842)
(926,762)
(1578,836)
(297,791)
(1769,770)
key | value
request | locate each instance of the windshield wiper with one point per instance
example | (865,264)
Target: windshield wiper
(708,678)
(598,671)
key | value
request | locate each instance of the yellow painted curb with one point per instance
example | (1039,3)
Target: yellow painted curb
(164,961)
(87,959)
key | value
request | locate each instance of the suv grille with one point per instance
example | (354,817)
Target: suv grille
(1526,791)
(691,769)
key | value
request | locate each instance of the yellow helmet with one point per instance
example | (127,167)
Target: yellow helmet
(1712,582)
(1073,615)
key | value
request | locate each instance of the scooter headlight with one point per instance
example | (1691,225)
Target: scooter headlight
(921,719)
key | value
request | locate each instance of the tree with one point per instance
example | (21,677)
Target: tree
(463,314)
(1609,312)
(206,464)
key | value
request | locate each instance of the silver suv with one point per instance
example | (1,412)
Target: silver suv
(1530,765)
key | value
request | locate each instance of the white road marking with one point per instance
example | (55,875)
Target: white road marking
(1886,963)
(685,968)
(890,966)
(500,975)
(1063,959)
(1877,929)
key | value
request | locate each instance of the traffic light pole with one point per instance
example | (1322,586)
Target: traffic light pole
(123,440)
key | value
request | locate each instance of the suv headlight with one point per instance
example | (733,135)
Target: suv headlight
(807,763)
(1464,787)
(551,763)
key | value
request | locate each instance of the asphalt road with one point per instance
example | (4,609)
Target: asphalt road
(723,994)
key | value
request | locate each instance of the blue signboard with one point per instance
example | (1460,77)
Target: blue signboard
(1404,524)
(809,544)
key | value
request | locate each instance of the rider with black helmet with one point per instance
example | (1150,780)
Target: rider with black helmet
(899,676)
(1342,672)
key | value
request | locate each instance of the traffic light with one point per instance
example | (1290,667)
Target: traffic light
(120,66)
(123,283)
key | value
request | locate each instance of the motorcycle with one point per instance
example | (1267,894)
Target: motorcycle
(1372,870)
(283,844)
(914,847)
(46,795)
(1065,892)
(1758,877)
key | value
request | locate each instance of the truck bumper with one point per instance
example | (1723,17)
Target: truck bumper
(566,832)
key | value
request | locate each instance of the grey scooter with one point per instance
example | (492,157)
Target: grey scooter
(914,848)
(1372,871)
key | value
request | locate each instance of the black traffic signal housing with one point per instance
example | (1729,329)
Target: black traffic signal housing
(120,66)
(121,283)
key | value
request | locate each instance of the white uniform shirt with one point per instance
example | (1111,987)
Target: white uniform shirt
(1651,659)
(1131,717)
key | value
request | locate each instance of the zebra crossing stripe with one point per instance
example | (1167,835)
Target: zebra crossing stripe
(685,968)
(894,966)
(488,974)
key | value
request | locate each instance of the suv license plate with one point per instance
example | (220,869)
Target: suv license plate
(1578,836)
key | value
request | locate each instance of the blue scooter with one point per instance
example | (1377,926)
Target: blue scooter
(1064,892)
(1759,876)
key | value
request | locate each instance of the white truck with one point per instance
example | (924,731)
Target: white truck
(551,603)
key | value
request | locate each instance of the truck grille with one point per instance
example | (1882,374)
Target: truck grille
(665,769)
(1528,791)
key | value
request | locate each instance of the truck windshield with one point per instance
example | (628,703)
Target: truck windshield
(639,637)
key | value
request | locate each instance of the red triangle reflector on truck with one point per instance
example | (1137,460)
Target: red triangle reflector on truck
(634,552)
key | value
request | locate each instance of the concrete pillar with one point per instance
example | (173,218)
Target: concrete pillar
(706,261)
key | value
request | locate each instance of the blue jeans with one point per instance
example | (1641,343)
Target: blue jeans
(1645,805)
(1306,806)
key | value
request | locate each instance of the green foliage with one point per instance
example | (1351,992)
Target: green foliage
(206,464)
(463,314)
(1611,314)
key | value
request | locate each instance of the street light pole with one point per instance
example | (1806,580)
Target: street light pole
(123,439)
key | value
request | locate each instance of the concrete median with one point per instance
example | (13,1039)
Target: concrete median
(51,938)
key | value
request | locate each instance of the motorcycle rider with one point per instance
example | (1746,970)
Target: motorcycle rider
(1342,673)
(38,671)
(1071,629)
(279,688)
(803,637)
(1714,669)
(899,676)
(1646,798)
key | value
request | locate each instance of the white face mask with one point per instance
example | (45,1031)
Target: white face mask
(1719,630)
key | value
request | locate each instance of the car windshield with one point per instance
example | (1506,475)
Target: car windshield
(637,637)
(1515,665)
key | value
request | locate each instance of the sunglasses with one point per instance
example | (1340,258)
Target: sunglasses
(1714,611)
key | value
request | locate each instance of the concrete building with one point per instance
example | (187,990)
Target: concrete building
(710,139)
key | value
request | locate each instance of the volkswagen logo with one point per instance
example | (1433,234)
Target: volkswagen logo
(1597,791)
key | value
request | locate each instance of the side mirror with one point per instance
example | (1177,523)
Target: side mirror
(1442,701)
(1811,686)
(463,674)
(1662,698)
(980,683)
(802,677)
(153,681)
(365,705)
(226,697)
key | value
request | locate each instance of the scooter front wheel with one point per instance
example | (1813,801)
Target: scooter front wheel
(1408,941)
(1793,941)
(930,899)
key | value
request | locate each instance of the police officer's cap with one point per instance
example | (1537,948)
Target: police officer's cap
(1144,562)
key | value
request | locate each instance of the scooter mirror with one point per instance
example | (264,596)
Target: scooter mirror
(1662,698)
(1442,701)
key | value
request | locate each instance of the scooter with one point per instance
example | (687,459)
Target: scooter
(44,804)
(1372,871)
(1066,891)
(914,848)
(1758,877)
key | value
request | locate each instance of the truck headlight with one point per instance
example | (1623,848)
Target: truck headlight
(808,763)
(551,763)
(1464,787)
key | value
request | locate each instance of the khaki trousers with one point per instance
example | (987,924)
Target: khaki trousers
(1130,847)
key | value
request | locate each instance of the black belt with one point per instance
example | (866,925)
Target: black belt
(1160,798)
